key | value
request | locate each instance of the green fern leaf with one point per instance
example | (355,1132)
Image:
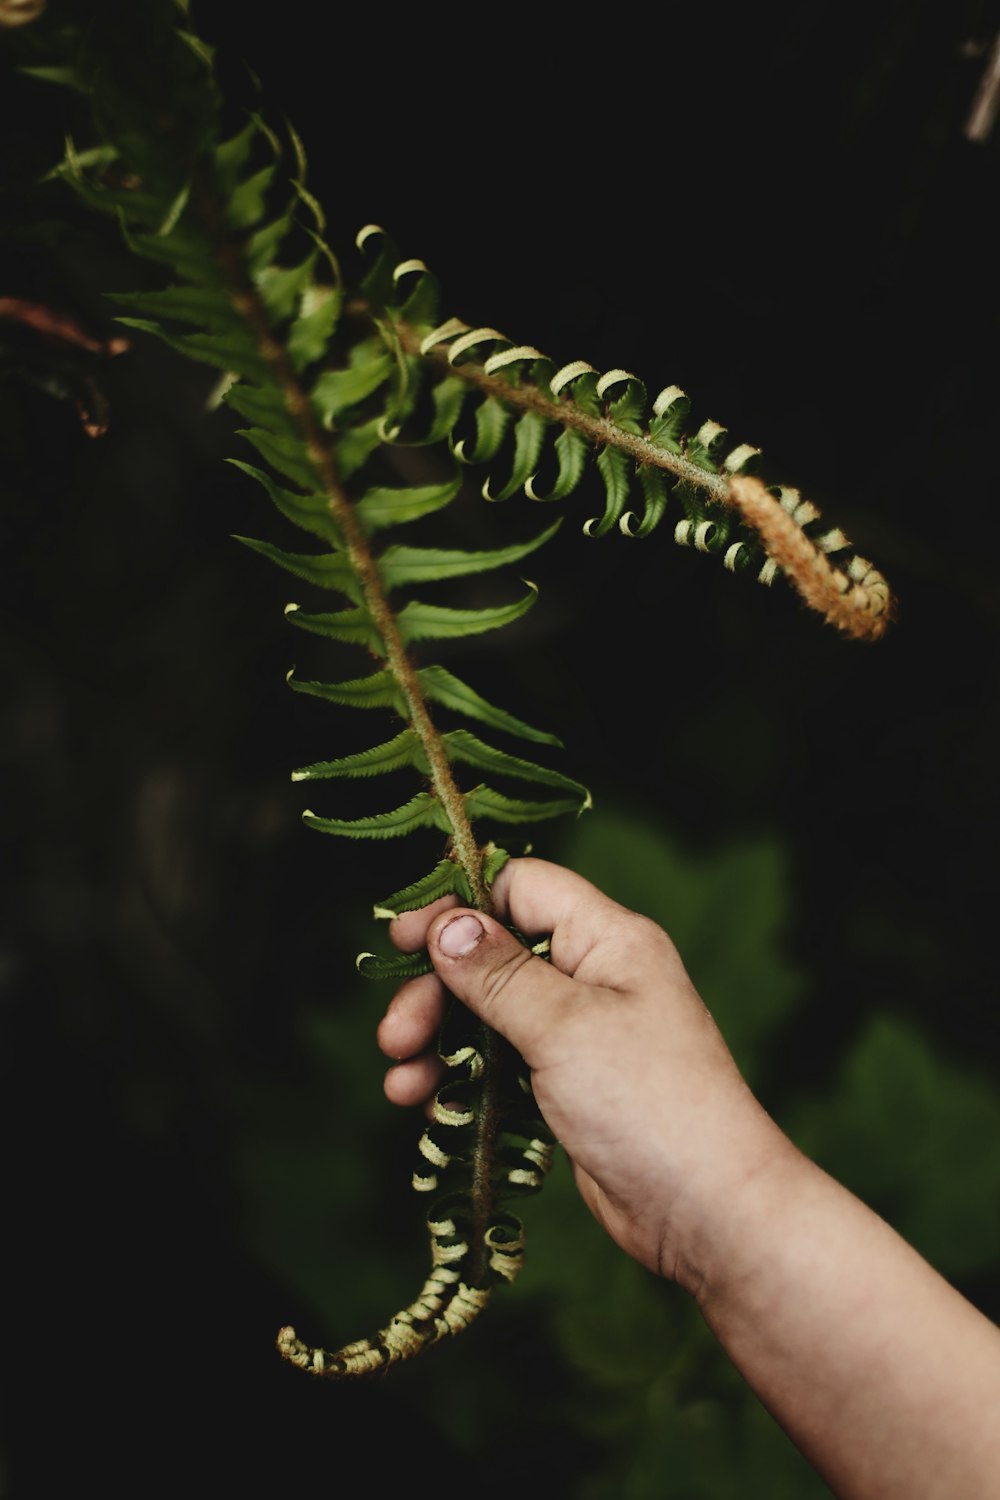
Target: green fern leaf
(377,691)
(381,506)
(312,330)
(230,157)
(615,469)
(401,565)
(493,863)
(445,879)
(705,448)
(529,435)
(394,755)
(627,410)
(327,570)
(187,253)
(462,745)
(265,406)
(354,627)
(422,811)
(670,412)
(234,351)
(425,622)
(336,391)
(492,420)
(443,687)
(309,512)
(447,400)
(204,306)
(286,454)
(572,451)
(484,802)
(654,486)
(262,246)
(402,966)
(246,203)
(282,287)
(356,444)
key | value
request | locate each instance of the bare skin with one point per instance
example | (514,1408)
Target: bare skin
(886,1378)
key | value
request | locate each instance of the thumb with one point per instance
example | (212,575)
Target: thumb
(500,980)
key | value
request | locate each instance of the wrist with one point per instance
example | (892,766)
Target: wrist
(719,1221)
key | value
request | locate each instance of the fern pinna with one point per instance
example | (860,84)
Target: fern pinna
(329,379)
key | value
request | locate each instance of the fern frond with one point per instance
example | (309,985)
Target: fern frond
(561,417)
(330,380)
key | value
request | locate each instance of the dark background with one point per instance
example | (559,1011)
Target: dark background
(783,215)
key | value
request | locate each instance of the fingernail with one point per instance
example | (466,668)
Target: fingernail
(460,936)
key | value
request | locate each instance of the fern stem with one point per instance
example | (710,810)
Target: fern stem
(488,1116)
(248,304)
(598,430)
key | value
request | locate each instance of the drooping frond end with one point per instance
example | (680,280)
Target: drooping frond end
(857,601)
(441,1309)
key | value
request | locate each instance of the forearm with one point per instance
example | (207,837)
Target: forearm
(885,1377)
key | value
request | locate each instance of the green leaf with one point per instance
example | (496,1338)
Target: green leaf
(383,257)
(309,512)
(201,49)
(354,445)
(208,307)
(393,755)
(445,688)
(654,485)
(705,448)
(419,308)
(265,407)
(262,246)
(427,622)
(247,202)
(231,156)
(447,398)
(670,410)
(327,570)
(336,391)
(234,351)
(377,691)
(572,451)
(130,203)
(484,802)
(445,878)
(528,437)
(402,565)
(352,627)
(422,811)
(311,332)
(493,863)
(404,966)
(281,287)
(462,745)
(66,77)
(382,506)
(615,468)
(286,454)
(627,410)
(185,251)
(492,421)
(581,389)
